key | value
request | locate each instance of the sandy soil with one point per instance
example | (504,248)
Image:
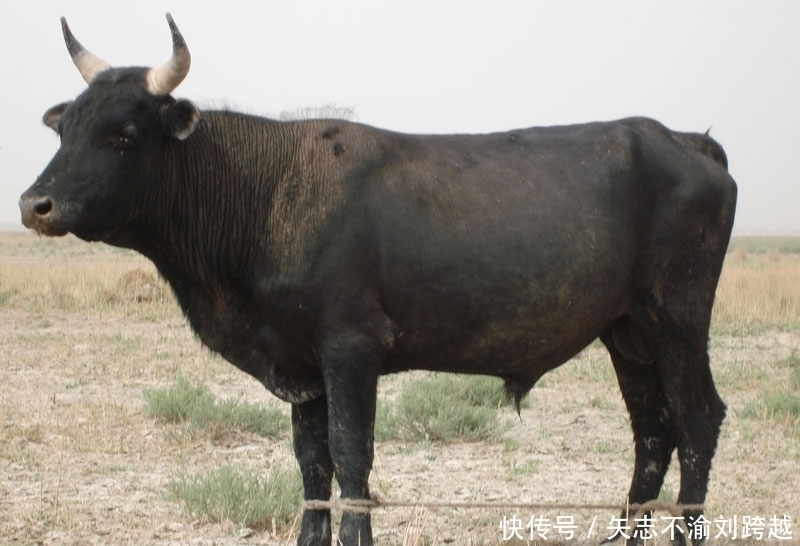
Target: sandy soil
(82,464)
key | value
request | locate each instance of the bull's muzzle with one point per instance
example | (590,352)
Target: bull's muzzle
(37,213)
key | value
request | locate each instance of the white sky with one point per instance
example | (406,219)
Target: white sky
(442,66)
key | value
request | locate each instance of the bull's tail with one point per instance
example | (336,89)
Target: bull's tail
(704,145)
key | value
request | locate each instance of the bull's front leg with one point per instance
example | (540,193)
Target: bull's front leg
(310,439)
(351,364)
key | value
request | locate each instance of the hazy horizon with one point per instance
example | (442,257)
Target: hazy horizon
(443,67)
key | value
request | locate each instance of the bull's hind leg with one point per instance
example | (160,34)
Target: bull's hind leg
(642,390)
(673,335)
(697,414)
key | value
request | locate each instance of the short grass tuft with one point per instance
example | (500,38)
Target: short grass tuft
(793,363)
(443,408)
(779,405)
(235,494)
(195,405)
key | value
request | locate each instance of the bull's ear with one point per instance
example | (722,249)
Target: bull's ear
(181,117)
(52,117)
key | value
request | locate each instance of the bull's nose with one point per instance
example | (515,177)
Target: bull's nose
(35,208)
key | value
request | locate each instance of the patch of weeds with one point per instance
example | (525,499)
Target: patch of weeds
(544,432)
(604,446)
(774,406)
(235,494)
(194,404)
(236,415)
(27,457)
(180,402)
(522,468)
(793,363)
(75,383)
(385,421)
(737,373)
(123,346)
(30,433)
(7,295)
(115,468)
(592,365)
(443,408)
(601,402)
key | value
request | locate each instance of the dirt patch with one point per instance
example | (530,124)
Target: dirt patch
(84,465)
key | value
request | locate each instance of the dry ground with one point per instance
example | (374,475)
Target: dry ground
(80,463)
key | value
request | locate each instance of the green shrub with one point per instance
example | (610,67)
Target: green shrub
(194,404)
(775,405)
(241,496)
(443,408)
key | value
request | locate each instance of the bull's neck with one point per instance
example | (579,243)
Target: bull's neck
(213,195)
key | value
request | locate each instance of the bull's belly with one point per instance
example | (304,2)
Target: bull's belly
(499,348)
(491,310)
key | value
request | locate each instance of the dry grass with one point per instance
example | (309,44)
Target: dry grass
(84,464)
(759,291)
(70,275)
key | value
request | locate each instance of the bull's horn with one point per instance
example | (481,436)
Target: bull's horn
(164,79)
(89,64)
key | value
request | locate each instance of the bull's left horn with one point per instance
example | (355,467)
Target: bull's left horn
(164,79)
(89,64)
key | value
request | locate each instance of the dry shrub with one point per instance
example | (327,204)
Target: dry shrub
(739,254)
(138,286)
(414,534)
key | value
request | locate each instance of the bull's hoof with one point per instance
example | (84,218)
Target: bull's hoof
(315,529)
(356,530)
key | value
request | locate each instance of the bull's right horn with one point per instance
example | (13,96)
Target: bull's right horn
(89,64)
(164,79)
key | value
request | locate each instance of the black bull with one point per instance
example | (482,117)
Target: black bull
(318,255)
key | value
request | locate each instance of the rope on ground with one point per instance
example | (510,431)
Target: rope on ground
(364,506)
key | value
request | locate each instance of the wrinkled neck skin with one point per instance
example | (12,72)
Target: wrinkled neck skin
(199,199)
(206,220)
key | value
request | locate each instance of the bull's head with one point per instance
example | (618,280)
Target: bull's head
(105,132)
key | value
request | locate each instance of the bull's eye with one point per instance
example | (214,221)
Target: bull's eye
(128,132)
(124,137)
